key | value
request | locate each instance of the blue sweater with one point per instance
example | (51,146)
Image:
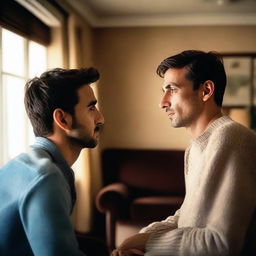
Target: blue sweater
(36,198)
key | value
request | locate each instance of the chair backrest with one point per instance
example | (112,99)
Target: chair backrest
(150,172)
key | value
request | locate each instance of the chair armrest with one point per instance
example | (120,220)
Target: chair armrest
(113,201)
(112,197)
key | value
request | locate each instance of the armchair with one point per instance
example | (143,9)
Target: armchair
(140,186)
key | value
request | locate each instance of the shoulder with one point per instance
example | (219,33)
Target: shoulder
(44,184)
(37,162)
(231,146)
(28,170)
(45,191)
(231,133)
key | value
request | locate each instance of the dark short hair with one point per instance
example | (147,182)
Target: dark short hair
(201,66)
(56,88)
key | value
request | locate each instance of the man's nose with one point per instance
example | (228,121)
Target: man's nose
(100,118)
(165,101)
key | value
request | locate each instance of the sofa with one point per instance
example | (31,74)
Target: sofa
(140,186)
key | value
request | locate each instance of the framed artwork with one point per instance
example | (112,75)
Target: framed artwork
(240,92)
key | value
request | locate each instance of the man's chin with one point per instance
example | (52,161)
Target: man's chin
(175,124)
(90,143)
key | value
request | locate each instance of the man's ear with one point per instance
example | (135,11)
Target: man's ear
(208,90)
(62,119)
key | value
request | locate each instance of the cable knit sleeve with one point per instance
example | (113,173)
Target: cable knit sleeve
(168,224)
(220,200)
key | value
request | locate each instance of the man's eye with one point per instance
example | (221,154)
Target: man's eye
(170,89)
(92,108)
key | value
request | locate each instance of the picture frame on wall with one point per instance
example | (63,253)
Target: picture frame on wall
(238,88)
(240,93)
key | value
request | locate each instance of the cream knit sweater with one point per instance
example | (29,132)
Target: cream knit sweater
(218,214)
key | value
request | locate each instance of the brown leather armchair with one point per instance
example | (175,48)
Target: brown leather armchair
(140,186)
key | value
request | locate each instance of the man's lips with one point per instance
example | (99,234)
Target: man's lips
(98,128)
(170,114)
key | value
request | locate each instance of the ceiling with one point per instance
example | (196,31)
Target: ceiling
(124,13)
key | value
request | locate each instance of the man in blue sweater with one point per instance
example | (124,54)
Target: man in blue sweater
(37,192)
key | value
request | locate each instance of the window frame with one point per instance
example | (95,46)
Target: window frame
(4,156)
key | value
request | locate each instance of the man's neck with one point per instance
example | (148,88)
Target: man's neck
(69,152)
(203,122)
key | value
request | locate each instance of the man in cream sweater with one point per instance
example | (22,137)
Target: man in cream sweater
(218,214)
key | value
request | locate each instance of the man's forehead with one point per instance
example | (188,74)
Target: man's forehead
(86,92)
(85,89)
(172,75)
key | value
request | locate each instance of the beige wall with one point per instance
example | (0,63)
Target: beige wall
(129,89)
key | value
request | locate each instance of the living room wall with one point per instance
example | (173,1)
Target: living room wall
(130,90)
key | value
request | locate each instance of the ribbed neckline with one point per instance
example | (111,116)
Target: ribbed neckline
(216,123)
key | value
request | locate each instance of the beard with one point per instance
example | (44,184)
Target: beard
(180,122)
(84,142)
(81,137)
(185,119)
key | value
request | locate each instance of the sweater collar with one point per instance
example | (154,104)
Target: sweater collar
(203,138)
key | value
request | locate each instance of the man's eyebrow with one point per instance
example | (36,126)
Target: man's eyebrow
(92,103)
(168,86)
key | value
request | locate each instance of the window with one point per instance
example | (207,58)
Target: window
(20,60)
